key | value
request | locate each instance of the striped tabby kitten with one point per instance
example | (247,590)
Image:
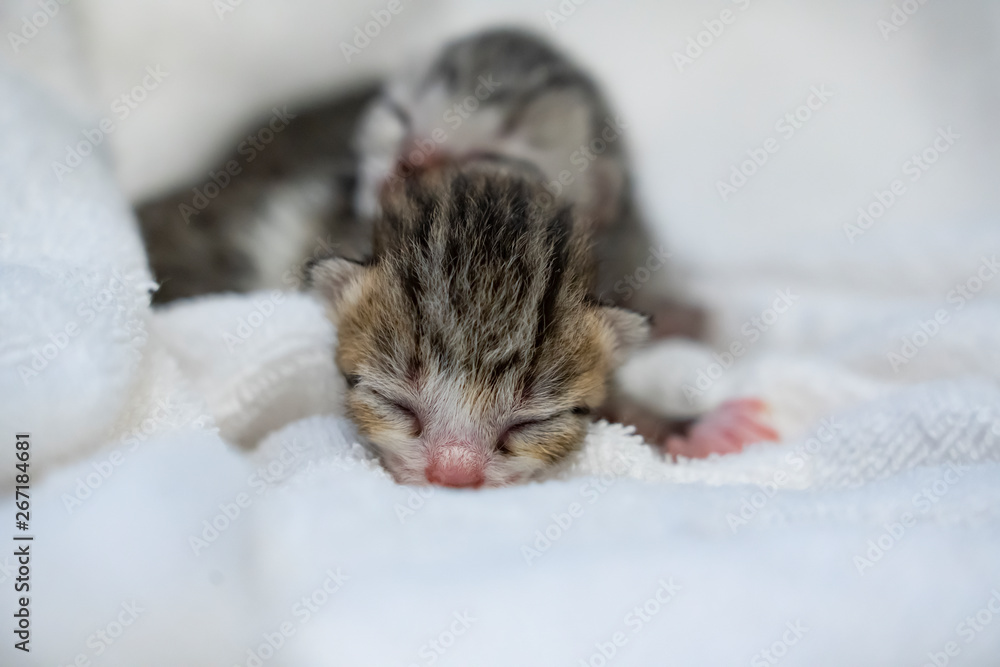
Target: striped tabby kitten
(477,339)
(508,94)
(473,348)
(481,209)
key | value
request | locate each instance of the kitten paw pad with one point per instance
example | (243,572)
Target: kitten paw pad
(726,430)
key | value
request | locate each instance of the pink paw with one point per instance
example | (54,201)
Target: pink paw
(725,430)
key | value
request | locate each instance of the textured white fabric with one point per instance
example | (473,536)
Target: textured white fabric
(74,303)
(873,529)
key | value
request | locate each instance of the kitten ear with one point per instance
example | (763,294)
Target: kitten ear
(629,330)
(557,118)
(332,276)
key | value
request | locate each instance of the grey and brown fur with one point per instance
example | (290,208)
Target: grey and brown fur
(314,189)
(474,322)
(479,316)
(292,201)
(533,105)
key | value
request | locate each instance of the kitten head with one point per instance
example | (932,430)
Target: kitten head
(500,92)
(471,346)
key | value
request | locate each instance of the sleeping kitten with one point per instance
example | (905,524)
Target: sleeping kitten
(475,341)
(487,197)
(471,344)
(507,93)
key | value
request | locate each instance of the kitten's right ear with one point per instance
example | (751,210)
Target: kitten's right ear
(332,277)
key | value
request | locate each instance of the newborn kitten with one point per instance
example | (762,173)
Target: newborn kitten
(472,346)
(507,93)
(475,341)
(257,228)
(491,192)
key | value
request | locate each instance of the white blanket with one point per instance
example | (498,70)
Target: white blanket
(196,500)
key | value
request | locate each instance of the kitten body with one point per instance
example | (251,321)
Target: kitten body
(485,206)
(485,330)
(265,209)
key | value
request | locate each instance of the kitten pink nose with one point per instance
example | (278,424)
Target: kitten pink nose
(455,466)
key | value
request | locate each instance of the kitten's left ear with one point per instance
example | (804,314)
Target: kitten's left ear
(333,276)
(629,330)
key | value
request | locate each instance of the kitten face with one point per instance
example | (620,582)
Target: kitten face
(472,351)
(460,413)
(497,93)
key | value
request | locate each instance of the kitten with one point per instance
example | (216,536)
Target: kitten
(473,348)
(257,228)
(484,206)
(476,341)
(507,93)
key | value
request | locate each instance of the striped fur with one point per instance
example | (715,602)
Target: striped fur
(475,319)
(533,104)
(474,322)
